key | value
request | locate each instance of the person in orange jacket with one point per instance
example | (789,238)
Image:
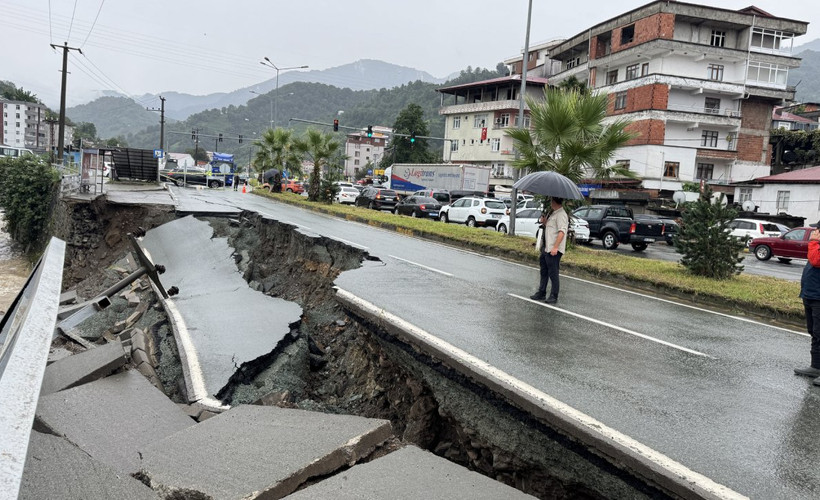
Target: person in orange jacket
(810,293)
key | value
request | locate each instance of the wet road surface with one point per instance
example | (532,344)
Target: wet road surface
(711,391)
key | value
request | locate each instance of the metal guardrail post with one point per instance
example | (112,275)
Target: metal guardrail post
(26,334)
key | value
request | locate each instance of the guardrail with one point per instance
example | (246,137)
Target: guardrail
(25,338)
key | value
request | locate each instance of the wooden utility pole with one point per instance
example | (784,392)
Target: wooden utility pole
(61,139)
(161,122)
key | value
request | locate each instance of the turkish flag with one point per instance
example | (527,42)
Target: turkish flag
(484,134)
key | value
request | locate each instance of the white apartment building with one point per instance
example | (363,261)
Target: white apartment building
(698,83)
(24,124)
(477,116)
(364,152)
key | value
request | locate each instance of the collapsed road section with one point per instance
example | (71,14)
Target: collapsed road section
(337,360)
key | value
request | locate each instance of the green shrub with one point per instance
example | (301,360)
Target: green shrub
(29,187)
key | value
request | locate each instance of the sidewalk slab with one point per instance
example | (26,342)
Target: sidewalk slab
(112,418)
(258,451)
(83,367)
(409,473)
(56,468)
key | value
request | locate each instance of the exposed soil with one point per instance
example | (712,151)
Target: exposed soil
(334,362)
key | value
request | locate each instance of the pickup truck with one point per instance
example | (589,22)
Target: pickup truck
(614,224)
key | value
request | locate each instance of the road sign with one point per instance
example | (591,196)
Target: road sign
(158,153)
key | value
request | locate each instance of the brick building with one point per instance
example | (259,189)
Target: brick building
(698,83)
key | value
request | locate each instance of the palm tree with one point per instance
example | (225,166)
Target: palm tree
(567,136)
(276,150)
(319,149)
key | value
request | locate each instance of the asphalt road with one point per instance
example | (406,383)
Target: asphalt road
(711,391)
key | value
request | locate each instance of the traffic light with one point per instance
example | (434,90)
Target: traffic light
(220,137)
(336,125)
(240,138)
(193,135)
(370,131)
(412,137)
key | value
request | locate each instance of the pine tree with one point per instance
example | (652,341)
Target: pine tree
(703,238)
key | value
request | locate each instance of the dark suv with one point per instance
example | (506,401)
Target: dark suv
(377,198)
(441,195)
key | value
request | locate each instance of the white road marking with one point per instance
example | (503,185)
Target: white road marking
(421,265)
(547,403)
(356,245)
(614,327)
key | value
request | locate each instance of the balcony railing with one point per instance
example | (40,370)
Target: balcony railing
(732,113)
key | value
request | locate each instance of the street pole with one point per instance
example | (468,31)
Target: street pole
(161,122)
(517,172)
(267,62)
(271,105)
(61,138)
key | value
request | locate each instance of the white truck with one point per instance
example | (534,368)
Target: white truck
(408,178)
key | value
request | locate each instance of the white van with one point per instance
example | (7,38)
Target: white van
(14,151)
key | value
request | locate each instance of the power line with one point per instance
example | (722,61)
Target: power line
(73,12)
(93,24)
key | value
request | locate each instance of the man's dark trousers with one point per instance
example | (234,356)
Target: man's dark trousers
(549,272)
(812,308)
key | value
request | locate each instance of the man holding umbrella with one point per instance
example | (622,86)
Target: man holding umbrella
(552,244)
(552,239)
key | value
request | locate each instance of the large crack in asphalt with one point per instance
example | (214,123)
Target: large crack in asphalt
(336,362)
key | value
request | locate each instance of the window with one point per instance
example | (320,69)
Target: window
(612,77)
(631,72)
(627,34)
(718,38)
(712,105)
(796,235)
(355,162)
(782,201)
(480,121)
(495,145)
(705,171)
(744,194)
(771,40)
(716,72)
(456,122)
(504,120)
(644,69)
(620,100)
(356,154)
(767,73)
(526,121)
(709,138)
(623,164)
(453,146)
(671,168)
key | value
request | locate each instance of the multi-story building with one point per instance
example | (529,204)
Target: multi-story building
(698,83)
(477,116)
(24,124)
(364,152)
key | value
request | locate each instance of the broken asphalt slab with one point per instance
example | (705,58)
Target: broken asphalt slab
(258,451)
(112,418)
(409,473)
(220,322)
(83,367)
(55,468)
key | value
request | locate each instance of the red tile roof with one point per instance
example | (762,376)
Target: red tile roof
(785,116)
(803,176)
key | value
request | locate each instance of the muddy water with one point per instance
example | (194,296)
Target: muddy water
(14,269)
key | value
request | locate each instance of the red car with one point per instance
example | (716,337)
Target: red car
(292,186)
(792,245)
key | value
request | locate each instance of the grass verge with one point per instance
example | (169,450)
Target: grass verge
(768,297)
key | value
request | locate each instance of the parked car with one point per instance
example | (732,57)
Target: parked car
(474,211)
(377,198)
(292,186)
(613,224)
(526,224)
(792,245)
(418,206)
(441,195)
(347,194)
(191,176)
(750,229)
(670,226)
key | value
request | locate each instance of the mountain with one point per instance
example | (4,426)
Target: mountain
(113,116)
(812,45)
(365,74)
(807,76)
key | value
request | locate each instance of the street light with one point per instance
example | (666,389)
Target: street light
(271,104)
(267,62)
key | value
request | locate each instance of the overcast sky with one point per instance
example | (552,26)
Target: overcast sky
(206,46)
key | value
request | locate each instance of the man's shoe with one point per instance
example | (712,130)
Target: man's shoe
(552,300)
(542,296)
(808,372)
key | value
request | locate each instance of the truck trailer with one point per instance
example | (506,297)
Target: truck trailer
(408,178)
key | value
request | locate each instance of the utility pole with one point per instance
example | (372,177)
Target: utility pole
(161,122)
(524,63)
(61,139)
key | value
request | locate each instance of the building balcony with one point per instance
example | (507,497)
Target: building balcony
(481,107)
(579,72)
(698,119)
(712,112)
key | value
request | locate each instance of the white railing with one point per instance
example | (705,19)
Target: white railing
(690,108)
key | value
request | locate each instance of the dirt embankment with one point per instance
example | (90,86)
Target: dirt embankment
(337,363)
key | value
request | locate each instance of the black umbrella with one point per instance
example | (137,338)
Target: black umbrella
(549,183)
